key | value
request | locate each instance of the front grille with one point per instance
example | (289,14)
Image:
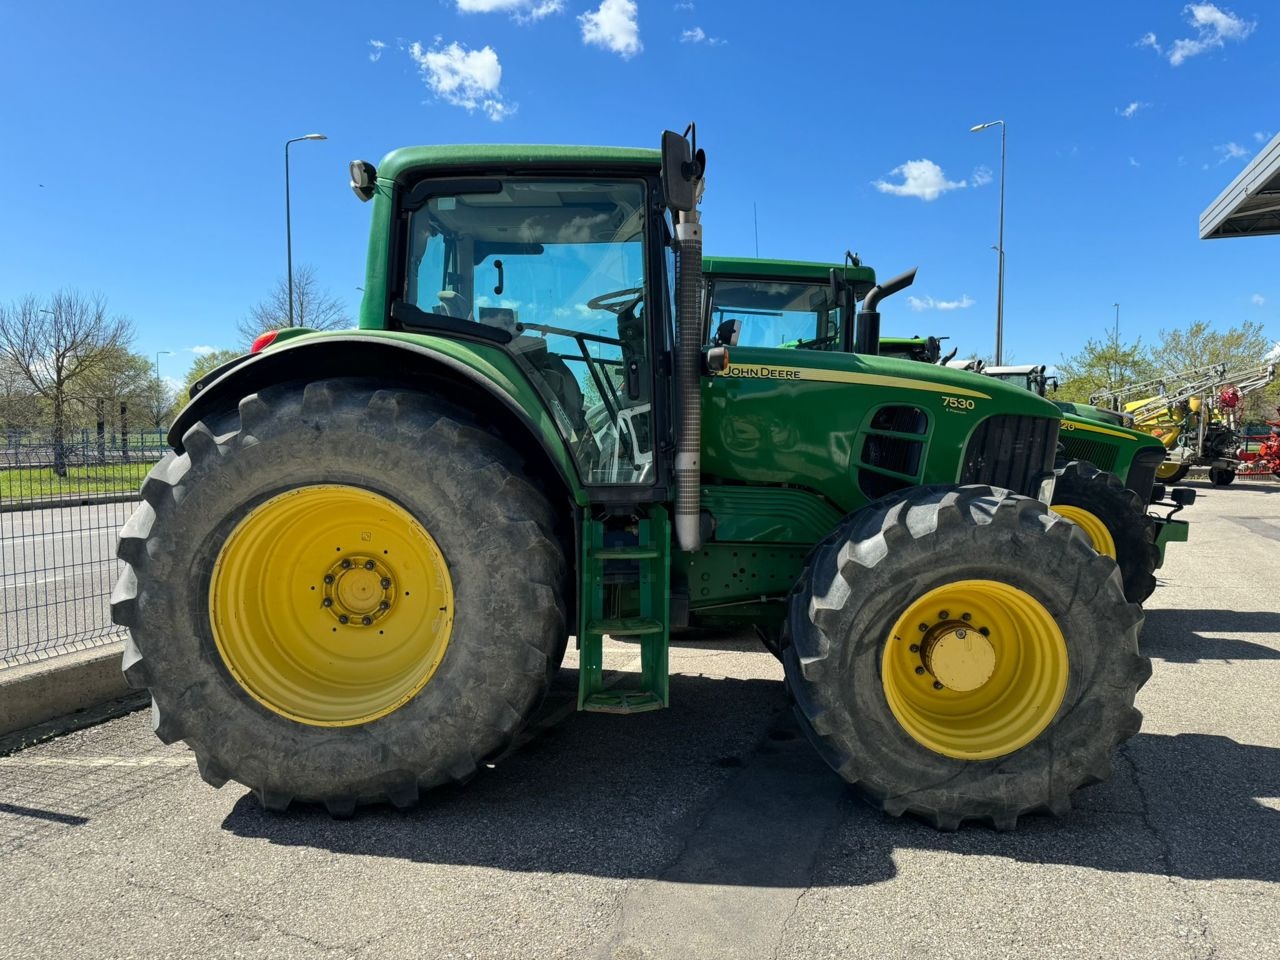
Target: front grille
(1012,452)
(1142,472)
(1075,447)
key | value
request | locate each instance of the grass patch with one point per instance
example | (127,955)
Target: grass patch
(40,483)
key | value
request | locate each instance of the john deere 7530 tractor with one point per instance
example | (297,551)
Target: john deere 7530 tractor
(354,574)
(1089,491)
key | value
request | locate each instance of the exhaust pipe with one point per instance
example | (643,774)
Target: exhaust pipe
(688,374)
(868,335)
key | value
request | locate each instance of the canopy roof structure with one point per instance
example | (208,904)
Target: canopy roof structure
(1250,206)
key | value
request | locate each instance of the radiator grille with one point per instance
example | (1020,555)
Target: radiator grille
(1012,452)
(1075,447)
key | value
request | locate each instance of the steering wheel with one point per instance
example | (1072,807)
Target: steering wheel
(618,302)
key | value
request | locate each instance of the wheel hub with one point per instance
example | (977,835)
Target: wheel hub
(958,656)
(358,590)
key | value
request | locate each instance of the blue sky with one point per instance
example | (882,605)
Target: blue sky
(143,143)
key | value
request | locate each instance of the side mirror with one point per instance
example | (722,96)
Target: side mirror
(364,179)
(727,333)
(682,168)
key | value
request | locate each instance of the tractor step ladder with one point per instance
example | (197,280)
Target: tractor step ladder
(650,626)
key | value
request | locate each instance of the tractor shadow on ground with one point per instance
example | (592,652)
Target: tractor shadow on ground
(1189,636)
(723,789)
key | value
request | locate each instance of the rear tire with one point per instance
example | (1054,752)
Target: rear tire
(458,482)
(1221,476)
(1104,499)
(879,563)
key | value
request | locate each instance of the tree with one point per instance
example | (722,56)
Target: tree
(19,403)
(204,365)
(312,307)
(1196,345)
(1104,364)
(57,346)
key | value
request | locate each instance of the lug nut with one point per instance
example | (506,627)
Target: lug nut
(915,648)
(385,582)
(344,619)
(943,615)
(924,628)
(984,631)
(328,578)
(385,605)
(368,564)
(327,601)
(961,634)
(966,616)
(346,564)
(366,620)
(937,684)
(919,670)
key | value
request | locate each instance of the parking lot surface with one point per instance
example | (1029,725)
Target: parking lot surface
(708,830)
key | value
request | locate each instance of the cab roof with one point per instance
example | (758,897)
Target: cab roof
(791,269)
(397,162)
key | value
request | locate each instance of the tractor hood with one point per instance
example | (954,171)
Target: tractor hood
(796,368)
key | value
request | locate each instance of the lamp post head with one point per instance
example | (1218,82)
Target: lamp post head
(315,136)
(982,126)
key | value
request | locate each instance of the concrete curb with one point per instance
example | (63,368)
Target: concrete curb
(35,693)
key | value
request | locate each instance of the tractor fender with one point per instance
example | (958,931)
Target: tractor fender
(473,385)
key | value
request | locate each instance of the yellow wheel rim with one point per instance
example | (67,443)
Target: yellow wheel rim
(331,605)
(975,669)
(1167,469)
(1093,527)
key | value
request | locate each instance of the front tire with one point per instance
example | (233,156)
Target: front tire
(864,610)
(1115,521)
(1170,472)
(1221,476)
(320,595)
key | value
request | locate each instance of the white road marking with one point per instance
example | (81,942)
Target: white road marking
(22,760)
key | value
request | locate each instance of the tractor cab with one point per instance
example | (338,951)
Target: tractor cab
(1028,376)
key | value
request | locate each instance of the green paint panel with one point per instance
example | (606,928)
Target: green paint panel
(769,514)
(720,575)
(773,425)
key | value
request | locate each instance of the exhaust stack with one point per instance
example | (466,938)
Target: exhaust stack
(867,338)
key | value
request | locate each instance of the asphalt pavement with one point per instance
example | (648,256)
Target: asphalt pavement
(710,830)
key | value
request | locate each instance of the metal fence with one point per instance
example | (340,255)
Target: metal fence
(61,506)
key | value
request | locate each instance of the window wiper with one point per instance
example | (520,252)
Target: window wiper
(415,318)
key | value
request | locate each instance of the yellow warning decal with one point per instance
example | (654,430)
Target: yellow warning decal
(1093,428)
(764,371)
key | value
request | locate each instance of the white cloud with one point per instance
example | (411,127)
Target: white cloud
(1258,300)
(920,178)
(981,176)
(1134,163)
(613,26)
(1260,137)
(1131,109)
(683,6)
(1230,151)
(1214,26)
(375,54)
(522,11)
(469,79)
(202,350)
(928,303)
(698,35)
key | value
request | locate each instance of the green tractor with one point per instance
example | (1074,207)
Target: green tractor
(1095,454)
(355,573)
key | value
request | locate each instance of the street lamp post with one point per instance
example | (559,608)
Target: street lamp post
(1000,247)
(159,385)
(288,220)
